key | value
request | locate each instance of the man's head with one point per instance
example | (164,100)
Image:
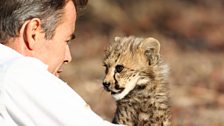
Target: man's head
(40,28)
(13,14)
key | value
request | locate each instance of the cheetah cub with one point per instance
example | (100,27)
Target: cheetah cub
(137,78)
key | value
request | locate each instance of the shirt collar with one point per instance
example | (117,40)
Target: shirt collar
(7,53)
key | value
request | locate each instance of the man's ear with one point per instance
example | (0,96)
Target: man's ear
(31,30)
(151,48)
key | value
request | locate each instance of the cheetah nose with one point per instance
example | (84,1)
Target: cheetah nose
(106,84)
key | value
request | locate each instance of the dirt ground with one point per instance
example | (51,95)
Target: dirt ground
(192,43)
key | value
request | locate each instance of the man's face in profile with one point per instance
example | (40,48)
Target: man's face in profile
(56,52)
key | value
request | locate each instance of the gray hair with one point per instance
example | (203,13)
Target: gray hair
(13,13)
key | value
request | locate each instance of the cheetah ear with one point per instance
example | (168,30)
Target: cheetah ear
(151,48)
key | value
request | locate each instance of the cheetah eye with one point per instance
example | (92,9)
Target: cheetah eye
(119,68)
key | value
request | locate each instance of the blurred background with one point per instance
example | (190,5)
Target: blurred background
(191,33)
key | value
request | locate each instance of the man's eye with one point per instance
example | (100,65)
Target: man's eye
(119,68)
(69,42)
(71,39)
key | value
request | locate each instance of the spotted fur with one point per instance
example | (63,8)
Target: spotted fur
(136,76)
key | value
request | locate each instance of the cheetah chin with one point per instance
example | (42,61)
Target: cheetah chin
(129,86)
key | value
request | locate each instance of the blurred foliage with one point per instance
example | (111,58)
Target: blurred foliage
(191,36)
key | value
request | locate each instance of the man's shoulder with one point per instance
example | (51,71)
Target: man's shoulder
(28,72)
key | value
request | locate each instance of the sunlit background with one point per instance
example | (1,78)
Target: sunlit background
(191,33)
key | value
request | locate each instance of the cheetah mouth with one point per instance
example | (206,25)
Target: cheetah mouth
(116,91)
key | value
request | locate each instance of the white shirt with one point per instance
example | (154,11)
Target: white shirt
(31,96)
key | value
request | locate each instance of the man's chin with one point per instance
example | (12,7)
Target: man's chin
(57,74)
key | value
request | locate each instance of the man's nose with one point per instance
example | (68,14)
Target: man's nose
(68,57)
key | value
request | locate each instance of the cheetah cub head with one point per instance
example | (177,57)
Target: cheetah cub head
(130,63)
